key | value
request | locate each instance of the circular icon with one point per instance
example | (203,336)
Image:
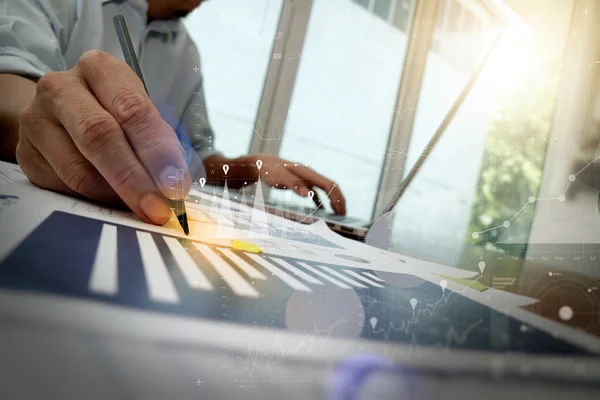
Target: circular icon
(567,297)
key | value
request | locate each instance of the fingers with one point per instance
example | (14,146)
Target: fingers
(36,168)
(120,92)
(288,180)
(93,131)
(338,202)
(316,199)
(64,159)
(100,139)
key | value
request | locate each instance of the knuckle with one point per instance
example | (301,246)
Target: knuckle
(125,176)
(26,154)
(51,83)
(97,131)
(77,176)
(92,58)
(26,116)
(132,109)
(21,154)
(32,121)
(150,145)
(28,160)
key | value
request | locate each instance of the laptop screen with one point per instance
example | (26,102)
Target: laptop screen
(505,193)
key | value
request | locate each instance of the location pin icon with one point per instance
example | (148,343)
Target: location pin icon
(288,195)
(225,168)
(413,303)
(443,284)
(373,321)
(311,194)
(481,266)
(259,164)
(202,182)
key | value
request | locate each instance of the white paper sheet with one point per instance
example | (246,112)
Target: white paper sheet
(312,243)
(291,239)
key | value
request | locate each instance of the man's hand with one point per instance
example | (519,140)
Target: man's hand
(93,132)
(277,173)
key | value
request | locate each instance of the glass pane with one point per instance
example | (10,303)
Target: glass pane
(235,39)
(403,13)
(472,195)
(344,99)
(454,9)
(381,8)
(467,23)
(452,58)
(364,3)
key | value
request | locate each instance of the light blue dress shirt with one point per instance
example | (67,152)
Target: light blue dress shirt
(40,36)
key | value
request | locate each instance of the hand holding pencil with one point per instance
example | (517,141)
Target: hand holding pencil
(176,177)
(93,132)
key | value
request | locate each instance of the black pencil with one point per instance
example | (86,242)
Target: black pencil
(178,206)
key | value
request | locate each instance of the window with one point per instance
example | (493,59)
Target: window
(344,100)
(402,14)
(454,10)
(468,22)
(467,202)
(364,3)
(235,38)
(381,8)
(396,12)
(457,37)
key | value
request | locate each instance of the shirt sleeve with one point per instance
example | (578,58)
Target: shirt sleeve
(32,37)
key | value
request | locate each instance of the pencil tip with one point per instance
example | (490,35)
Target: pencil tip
(183,221)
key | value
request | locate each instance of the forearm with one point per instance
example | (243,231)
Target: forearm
(239,172)
(16,93)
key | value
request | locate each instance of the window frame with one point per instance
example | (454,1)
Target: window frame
(420,37)
(282,72)
(281,77)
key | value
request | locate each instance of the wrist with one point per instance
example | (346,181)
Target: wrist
(239,172)
(242,172)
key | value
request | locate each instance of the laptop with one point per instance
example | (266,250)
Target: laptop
(357,228)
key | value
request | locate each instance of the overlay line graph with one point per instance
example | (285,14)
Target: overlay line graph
(394,154)
(390,355)
(261,203)
(277,353)
(454,336)
(405,325)
(532,199)
(408,106)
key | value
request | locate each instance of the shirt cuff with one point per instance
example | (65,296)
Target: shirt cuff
(205,153)
(19,62)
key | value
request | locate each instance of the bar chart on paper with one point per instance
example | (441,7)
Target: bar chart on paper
(138,268)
